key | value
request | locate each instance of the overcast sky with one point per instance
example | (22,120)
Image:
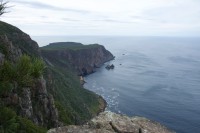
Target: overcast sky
(106,17)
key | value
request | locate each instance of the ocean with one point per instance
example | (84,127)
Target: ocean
(154,77)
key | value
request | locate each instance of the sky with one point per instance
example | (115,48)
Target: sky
(105,17)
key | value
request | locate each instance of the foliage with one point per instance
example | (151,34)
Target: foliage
(68,45)
(75,104)
(8,122)
(63,113)
(3,7)
(37,68)
(6,87)
(11,123)
(7,72)
(27,126)
(22,73)
(27,70)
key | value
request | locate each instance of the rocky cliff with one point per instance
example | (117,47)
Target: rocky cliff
(53,99)
(84,58)
(108,122)
(32,101)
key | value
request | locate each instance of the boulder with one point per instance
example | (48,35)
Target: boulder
(108,67)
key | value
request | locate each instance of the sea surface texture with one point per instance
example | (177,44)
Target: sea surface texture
(154,77)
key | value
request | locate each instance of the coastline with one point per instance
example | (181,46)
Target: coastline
(102,106)
(102,101)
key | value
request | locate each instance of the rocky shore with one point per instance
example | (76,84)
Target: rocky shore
(109,122)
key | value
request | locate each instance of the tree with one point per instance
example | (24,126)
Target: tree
(20,74)
(8,122)
(3,7)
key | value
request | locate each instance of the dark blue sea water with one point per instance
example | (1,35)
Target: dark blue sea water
(154,77)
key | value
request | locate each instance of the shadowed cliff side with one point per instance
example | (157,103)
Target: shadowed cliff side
(84,58)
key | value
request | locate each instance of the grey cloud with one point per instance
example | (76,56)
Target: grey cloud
(71,20)
(142,18)
(149,19)
(113,21)
(136,17)
(49,7)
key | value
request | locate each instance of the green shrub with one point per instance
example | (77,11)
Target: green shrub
(63,114)
(23,70)
(7,72)
(8,122)
(37,68)
(27,126)
(22,73)
(5,88)
(11,123)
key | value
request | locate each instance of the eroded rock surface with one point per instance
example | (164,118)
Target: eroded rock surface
(109,122)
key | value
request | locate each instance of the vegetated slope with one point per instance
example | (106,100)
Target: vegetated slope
(84,58)
(66,60)
(53,99)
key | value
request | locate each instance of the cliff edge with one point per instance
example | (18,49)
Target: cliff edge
(109,122)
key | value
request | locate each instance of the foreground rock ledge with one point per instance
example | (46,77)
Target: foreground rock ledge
(109,122)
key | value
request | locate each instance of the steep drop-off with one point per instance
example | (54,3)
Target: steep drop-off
(53,99)
(84,58)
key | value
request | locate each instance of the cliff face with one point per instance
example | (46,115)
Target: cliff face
(84,59)
(19,39)
(55,98)
(108,122)
(33,101)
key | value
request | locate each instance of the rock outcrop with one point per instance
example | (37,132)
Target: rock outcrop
(84,58)
(11,52)
(32,102)
(109,122)
(44,110)
(108,67)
